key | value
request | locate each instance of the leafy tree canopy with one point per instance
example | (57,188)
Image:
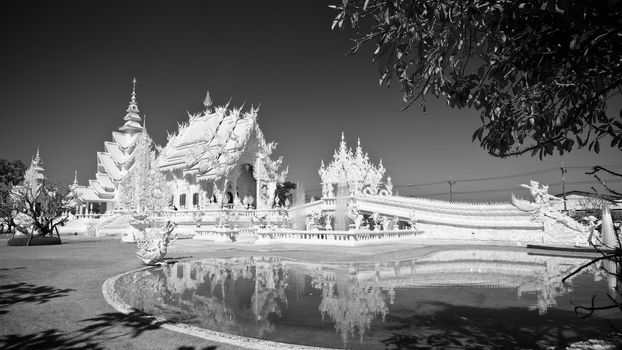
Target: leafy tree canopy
(540,72)
(11,172)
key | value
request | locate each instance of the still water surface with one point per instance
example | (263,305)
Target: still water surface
(449,299)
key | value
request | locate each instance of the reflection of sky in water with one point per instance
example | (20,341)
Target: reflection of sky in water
(459,298)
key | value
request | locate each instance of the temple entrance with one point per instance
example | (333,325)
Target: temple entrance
(247,185)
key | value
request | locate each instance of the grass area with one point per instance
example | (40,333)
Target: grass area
(50,296)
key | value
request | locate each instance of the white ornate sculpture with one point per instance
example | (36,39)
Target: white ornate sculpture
(591,227)
(327,220)
(389,186)
(386,223)
(358,222)
(352,210)
(554,222)
(144,190)
(353,169)
(314,222)
(539,192)
(223,217)
(152,249)
(412,220)
(377,221)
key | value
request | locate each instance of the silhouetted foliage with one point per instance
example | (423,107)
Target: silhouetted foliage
(48,339)
(29,293)
(540,72)
(137,321)
(284,192)
(104,327)
(11,172)
(466,327)
(7,207)
(612,194)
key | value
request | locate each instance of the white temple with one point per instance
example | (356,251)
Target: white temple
(218,166)
(218,157)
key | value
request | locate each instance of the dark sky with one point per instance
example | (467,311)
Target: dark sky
(67,66)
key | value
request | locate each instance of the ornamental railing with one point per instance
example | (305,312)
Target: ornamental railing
(332,237)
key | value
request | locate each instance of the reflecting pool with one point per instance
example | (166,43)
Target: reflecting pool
(452,298)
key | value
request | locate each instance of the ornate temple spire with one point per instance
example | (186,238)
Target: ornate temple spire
(207,103)
(359,149)
(132,118)
(134,91)
(343,148)
(133,106)
(354,168)
(34,174)
(36,161)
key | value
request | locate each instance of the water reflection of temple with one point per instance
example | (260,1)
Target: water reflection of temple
(354,294)
(250,295)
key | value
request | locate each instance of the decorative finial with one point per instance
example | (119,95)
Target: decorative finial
(134,90)
(208,100)
(342,136)
(37,156)
(75,178)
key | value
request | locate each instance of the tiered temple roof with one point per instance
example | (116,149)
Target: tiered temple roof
(115,162)
(214,141)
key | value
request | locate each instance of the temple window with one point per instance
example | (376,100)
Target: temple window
(195,199)
(182,200)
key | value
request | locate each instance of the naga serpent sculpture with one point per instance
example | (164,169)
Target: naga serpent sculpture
(152,249)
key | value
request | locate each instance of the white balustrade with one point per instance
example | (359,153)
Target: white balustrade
(333,237)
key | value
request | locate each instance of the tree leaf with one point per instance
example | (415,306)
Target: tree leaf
(596,146)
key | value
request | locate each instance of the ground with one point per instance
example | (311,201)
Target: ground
(50,296)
